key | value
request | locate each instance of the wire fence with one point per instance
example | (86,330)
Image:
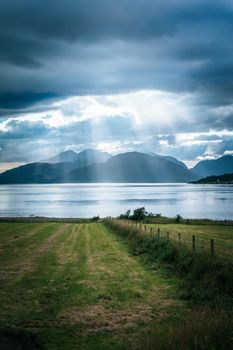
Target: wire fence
(211,247)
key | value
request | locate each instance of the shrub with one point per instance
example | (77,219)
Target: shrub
(125,216)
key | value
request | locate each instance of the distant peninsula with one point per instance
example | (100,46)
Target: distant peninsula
(221,179)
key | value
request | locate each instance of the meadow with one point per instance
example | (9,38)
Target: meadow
(66,285)
(222,235)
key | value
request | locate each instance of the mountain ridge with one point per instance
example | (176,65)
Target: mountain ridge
(96,166)
(84,158)
(132,167)
(219,166)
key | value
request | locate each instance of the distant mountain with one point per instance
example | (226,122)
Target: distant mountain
(126,167)
(132,167)
(84,158)
(66,156)
(49,171)
(34,173)
(221,179)
(171,159)
(222,165)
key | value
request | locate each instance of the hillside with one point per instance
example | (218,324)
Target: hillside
(171,159)
(132,167)
(220,166)
(35,173)
(49,172)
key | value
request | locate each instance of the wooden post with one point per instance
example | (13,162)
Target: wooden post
(151,231)
(145,227)
(167,235)
(193,244)
(179,238)
(212,248)
(158,231)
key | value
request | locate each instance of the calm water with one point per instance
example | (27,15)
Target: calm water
(87,200)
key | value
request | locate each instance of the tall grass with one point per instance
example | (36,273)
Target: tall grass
(205,279)
(207,287)
(204,330)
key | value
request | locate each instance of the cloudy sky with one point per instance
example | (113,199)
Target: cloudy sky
(153,76)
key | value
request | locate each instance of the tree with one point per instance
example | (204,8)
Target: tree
(139,214)
(126,215)
(178,218)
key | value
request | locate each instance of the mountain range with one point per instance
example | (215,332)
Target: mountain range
(95,166)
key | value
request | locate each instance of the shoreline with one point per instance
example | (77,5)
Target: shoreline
(160,220)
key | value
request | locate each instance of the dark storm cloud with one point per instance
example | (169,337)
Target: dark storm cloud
(83,47)
(13,100)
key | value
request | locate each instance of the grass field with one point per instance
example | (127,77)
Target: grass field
(77,286)
(222,235)
(90,286)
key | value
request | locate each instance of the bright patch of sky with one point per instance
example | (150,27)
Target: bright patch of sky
(146,121)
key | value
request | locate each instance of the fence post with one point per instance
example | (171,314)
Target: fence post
(151,231)
(193,244)
(167,234)
(212,248)
(145,227)
(179,238)
(158,231)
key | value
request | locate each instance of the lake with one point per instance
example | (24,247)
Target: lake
(88,200)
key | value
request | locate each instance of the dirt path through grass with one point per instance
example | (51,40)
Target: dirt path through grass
(120,291)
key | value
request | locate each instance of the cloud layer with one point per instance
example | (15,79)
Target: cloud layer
(125,74)
(98,46)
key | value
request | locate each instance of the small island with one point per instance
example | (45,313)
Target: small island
(221,179)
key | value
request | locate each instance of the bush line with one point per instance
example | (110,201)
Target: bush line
(205,279)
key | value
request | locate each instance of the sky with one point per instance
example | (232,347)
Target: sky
(117,76)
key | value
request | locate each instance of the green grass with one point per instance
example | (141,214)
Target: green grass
(77,286)
(222,235)
(216,271)
(89,286)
